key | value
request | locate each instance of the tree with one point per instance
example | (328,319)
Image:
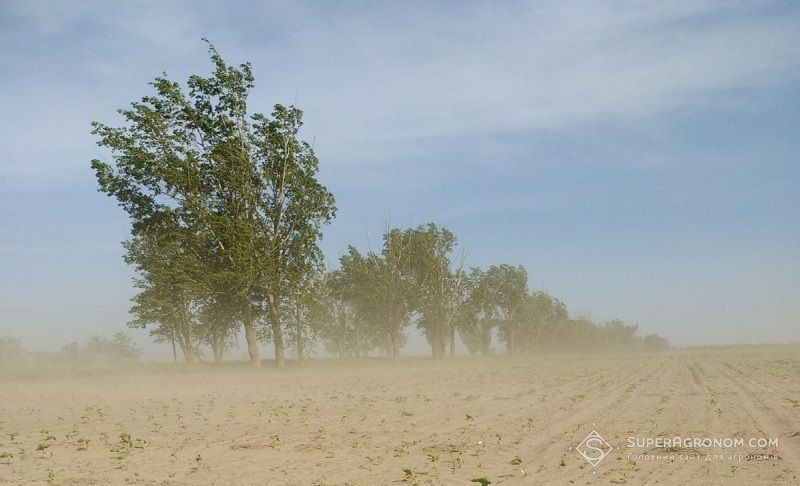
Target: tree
(378,288)
(233,195)
(304,314)
(540,318)
(654,342)
(508,288)
(436,291)
(337,319)
(477,318)
(216,326)
(292,208)
(170,283)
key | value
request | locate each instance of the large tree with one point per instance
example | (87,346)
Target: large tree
(378,287)
(240,188)
(437,291)
(477,318)
(508,287)
(343,319)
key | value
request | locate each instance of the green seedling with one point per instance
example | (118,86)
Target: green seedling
(456,455)
(276,441)
(518,462)
(83,444)
(410,475)
(434,458)
(484,481)
(623,479)
(402,450)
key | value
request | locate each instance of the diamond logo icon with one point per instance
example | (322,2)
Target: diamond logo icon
(594,448)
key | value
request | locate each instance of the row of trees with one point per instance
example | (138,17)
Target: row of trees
(226,215)
(96,352)
(371,300)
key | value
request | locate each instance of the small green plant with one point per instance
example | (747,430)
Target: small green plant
(373,461)
(484,481)
(276,442)
(734,468)
(456,455)
(518,462)
(83,444)
(410,475)
(623,479)
(402,449)
(434,458)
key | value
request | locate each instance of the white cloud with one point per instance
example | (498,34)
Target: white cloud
(384,81)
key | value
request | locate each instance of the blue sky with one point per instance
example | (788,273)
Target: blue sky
(640,159)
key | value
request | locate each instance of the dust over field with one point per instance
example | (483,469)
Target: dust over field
(511,421)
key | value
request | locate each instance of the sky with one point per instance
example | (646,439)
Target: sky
(640,159)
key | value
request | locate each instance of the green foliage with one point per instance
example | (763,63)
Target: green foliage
(226,214)
(225,208)
(484,481)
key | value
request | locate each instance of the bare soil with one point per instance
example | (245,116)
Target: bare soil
(373,422)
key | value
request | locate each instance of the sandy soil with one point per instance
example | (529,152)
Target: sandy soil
(447,423)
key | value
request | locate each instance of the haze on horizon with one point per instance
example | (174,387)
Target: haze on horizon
(640,161)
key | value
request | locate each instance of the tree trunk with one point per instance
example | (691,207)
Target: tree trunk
(188,353)
(510,338)
(441,345)
(299,341)
(277,332)
(395,352)
(486,341)
(250,336)
(218,347)
(452,340)
(435,347)
(185,340)
(172,339)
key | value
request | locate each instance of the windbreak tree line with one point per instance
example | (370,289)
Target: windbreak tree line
(226,216)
